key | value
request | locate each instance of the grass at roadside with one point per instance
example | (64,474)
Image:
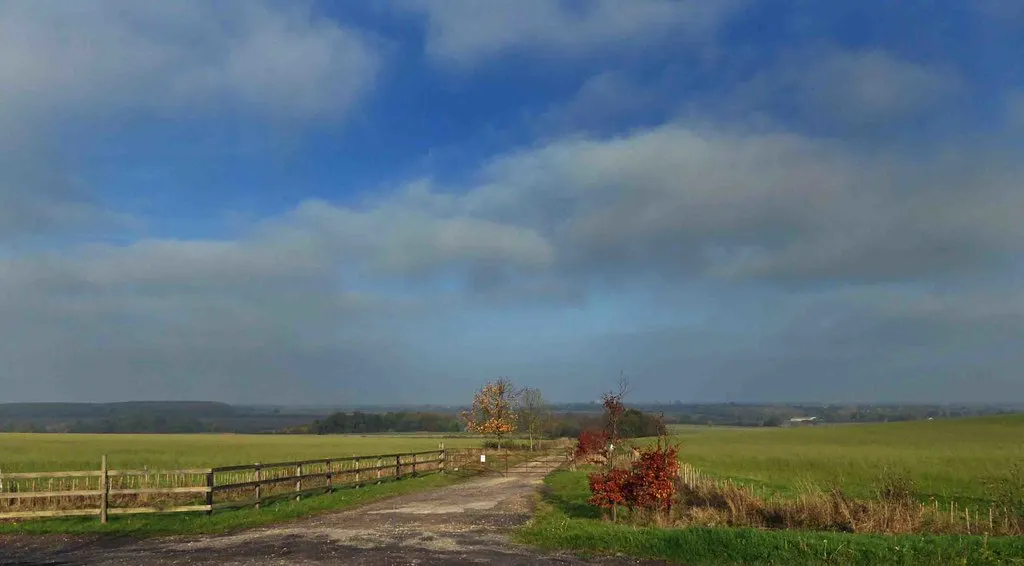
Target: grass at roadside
(229,520)
(566,522)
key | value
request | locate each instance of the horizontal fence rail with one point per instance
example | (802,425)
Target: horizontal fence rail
(105,492)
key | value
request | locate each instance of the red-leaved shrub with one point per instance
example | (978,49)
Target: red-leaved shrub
(609,488)
(652,478)
(591,442)
(649,483)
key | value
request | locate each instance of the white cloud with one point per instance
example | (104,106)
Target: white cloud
(70,67)
(357,294)
(108,55)
(682,202)
(874,86)
(466,31)
(868,88)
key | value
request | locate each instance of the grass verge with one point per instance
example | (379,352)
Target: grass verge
(566,522)
(228,520)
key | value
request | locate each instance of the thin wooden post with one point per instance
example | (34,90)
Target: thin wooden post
(104,489)
(259,484)
(990,524)
(444,459)
(415,458)
(355,466)
(209,492)
(398,466)
(967,515)
(298,481)
(330,488)
(380,465)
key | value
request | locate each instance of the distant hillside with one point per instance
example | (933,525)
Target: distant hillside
(145,417)
(99,410)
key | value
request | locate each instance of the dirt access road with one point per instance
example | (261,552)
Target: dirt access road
(462,524)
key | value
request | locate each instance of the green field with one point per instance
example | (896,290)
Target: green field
(56,452)
(947,458)
(566,522)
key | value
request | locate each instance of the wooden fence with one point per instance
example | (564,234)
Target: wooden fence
(107,492)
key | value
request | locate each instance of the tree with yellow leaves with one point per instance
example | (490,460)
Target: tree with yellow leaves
(493,411)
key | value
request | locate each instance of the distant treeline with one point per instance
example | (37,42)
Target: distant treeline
(152,417)
(632,424)
(360,422)
(566,419)
(759,414)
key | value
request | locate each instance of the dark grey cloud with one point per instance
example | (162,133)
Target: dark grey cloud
(877,344)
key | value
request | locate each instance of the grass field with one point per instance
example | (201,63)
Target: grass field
(948,459)
(566,522)
(56,452)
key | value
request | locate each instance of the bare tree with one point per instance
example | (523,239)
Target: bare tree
(533,412)
(614,408)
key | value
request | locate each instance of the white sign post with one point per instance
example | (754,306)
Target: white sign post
(483,458)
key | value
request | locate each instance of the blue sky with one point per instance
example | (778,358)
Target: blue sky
(393,202)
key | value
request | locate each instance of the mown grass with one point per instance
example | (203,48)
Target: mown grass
(947,459)
(566,522)
(57,452)
(228,520)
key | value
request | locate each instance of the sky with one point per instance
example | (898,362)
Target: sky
(348,202)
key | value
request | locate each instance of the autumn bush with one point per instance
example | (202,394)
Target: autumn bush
(649,484)
(653,478)
(591,442)
(609,489)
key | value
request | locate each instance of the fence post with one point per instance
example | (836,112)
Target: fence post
(259,484)
(398,466)
(209,492)
(298,481)
(330,488)
(380,464)
(355,466)
(104,489)
(444,457)
(415,458)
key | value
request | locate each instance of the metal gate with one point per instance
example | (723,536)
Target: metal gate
(506,462)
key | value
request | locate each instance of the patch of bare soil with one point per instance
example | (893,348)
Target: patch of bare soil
(467,523)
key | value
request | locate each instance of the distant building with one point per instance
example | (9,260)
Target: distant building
(803,421)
